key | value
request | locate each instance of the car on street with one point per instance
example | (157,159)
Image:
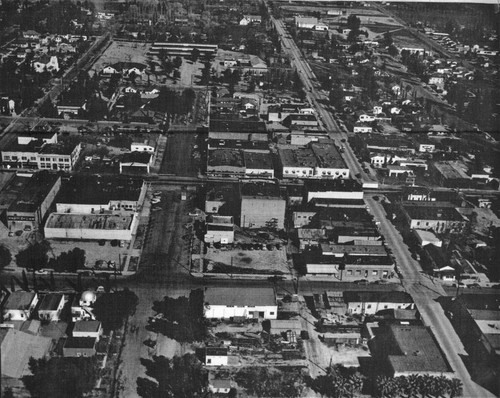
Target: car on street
(361,282)
(155,200)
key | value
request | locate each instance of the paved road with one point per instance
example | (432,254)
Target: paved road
(425,294)
(318,100)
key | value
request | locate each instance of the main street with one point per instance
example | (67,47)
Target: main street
(425,294)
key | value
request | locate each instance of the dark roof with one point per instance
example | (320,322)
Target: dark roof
(237,126)
(128,65)
(377,297)
(225,157)
(349,260)
(86,326)
(238,144)
(332,185)
(35,192)
(80,342)
(480,301)
(415,350)
(59,149)
(136,157)
(249,296)
(257,160)
(50,302)
(216,351)
(260,189)
(91,189)
(19,300)
(433,213)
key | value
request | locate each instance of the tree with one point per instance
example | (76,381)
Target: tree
(70,261)
(339,382)
(34,256)
(179,377)
(5,256)
(183,319)
(393,51)
(195,54)
(113,308)
(61,377)
(177,62)
(270,382)
(353,22)
(8,393)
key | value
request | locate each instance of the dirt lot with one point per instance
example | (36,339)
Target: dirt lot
(264,260)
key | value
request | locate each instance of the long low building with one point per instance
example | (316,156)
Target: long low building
(182,49)
(105,226)
(227,303)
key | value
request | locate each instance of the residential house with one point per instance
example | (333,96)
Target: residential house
(47,63)
(216,356)
(219,386)
(81,307)
(19,306)
(248,303)
(89,328)
(146,146)
(250,19)
(50,307)
(306,22)
(79,347)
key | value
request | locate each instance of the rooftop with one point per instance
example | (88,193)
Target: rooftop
(263,190)
(297,157)
(451,170)
(377,296)
(354,249)
(216,351)
(328,155)
(90,189)
(480,301)
(80,342)
(50,302)
(352,259)
(257,160)
(40,184)
(332,185)
(415,350)
(237,126)
(90,221)
(225,157)
(136,157)
(433,213)
(87,326)
(19,300)
(238,144)
(236,297)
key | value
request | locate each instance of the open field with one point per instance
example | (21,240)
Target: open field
(263,260)
(122,51)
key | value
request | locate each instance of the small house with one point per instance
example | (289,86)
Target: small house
(51,307)
(216,356)
(80,347)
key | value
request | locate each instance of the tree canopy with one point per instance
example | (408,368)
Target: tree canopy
(270,382)
(179,377)
(113,308)
(34,256)
(61,377)
(5,256)
(70,261)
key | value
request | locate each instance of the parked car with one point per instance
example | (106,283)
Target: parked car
(361,282)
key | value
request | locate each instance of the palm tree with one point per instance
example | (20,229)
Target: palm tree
(455,388)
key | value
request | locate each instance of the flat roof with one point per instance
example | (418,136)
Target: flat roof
(86,326)
(90,189)
(328,155)
(19,300)
(50,302)
(249,296)
(332,186)
(34,193)
(416,350)
(351,259)
(136,157)
(80,342)
(116,221)
(216,351)
(215,143)
(348,214)
(257,160)
(480,301)
(260,190)
(450,170)
(60,148)
(354,249)
(237,126)
(225,157)
(416,212)
(297,157)
(377,296)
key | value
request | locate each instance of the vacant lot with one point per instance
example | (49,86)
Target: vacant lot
(264,260)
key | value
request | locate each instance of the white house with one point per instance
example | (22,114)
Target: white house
(377,110)
(19,306)
(88,328)
(321,26)
(306,22)
(366,118)
(81,307)
(249,19)
(109,70)
(216,356)
(46,63)
(362,128)
(51,307)
(146,146)
(226,303)
(427,147)
(219,386)
(378,160)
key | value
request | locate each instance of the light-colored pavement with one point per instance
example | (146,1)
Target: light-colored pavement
(425,294)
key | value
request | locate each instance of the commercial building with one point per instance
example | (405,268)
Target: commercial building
(220,229)
(333,189)
(237,130)
(450,174)
(104,226)
(476,318)
(409,350)
(306,22)
(258,164)
(262,205)
(357,267)
(31,206)
(80,347)
(93,194)
(370,302)
(50,307)
(230,303)
(137,162)
(19,306)
(41,151)
(182,49)
(225,163)
(439,219)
